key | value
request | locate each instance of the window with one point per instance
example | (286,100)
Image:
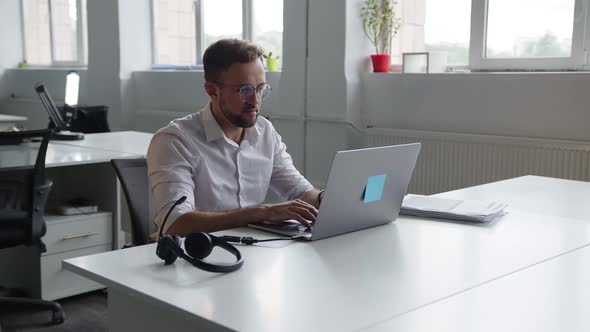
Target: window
(268,25)
(174,25)
(528,34)
(434,26)
(497,34)
(54,32)
(447,29)
(183,29)
(221,19)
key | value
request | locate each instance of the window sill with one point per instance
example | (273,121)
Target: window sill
(56,68)
(177,67)
(189,71)
(483,73)
(197,68)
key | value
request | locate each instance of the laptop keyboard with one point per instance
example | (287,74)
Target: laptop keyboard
(293,228)
(297,227)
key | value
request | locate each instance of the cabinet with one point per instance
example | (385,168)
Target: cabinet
(41,274)
(78,169)
(67,237)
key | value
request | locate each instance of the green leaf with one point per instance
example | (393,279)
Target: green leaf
(380,22)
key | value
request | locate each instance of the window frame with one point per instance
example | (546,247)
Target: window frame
(198,9)
(81,36)
(477,46)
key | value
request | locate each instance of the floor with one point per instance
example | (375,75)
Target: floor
(86,312)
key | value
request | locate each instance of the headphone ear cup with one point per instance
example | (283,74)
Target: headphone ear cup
(165,249)
(198,245)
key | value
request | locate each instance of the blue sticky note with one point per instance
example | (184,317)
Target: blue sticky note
(374,188)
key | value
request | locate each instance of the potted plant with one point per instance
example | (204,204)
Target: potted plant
(381,25)
(272,63)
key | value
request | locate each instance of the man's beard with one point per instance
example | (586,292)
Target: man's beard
(237,120)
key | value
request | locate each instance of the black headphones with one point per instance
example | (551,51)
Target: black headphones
(198,245)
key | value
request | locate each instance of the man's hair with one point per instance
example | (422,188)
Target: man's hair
(222,54)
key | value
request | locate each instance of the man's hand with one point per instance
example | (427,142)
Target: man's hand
(207,221)
(297,209)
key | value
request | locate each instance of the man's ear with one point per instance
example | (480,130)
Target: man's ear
(211,89)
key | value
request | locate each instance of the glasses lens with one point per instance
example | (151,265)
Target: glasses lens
(263,91)
(246,92)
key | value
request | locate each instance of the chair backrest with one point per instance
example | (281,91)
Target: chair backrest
(23,194)
(132,174)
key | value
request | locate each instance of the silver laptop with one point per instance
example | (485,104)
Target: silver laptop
(365,188)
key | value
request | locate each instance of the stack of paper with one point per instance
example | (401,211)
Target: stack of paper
(456,209)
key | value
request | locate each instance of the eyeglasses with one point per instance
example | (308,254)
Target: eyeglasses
(246,90)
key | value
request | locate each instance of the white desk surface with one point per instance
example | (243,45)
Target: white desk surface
(551,296)
(535,194)
(133,142)
(343,283)
(57,155)
(12,118)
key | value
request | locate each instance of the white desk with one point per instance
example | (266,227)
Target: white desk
(12,118)
(8,121)
(350,282)
(133,142)
(77,169)
(58,155)
(535,194)
(551,296)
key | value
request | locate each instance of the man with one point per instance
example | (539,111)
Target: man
(225,157)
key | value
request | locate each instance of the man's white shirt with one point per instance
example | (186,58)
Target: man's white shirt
(192,157)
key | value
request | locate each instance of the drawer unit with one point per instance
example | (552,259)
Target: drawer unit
(66,233)
(57,283)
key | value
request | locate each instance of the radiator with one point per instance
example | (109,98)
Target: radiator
(450,161)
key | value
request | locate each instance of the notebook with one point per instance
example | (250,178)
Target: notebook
(454,209)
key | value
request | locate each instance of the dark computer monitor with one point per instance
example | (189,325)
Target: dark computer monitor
(61,129)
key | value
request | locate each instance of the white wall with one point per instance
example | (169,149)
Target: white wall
(23,100)
(294,74)
(104,58)
(334,64)
(546,105)
(326,80)
(161,96)
(135,52)
(10,41)
(288,116)
(356,61)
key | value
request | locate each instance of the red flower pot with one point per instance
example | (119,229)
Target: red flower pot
(381,63)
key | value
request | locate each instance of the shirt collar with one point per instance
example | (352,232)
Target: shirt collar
(213,130)
(252,134)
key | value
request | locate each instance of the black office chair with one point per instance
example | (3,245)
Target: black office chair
(132,174)
(23,195)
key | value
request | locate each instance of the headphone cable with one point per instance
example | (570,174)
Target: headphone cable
(248,240)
